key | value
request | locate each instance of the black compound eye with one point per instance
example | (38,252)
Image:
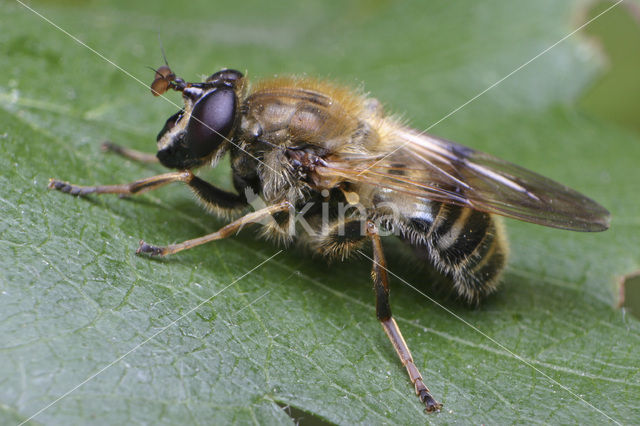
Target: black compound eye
(226,76)
(211,121)
(171,121)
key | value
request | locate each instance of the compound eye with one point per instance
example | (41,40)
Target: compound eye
(226,76)
(170,123)
(211,121)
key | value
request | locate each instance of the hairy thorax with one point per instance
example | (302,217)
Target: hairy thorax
(291,127)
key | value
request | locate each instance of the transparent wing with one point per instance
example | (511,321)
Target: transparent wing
(440,170)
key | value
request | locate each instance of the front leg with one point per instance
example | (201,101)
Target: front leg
(219,201)
(136,187)
(383,311)
(131,154)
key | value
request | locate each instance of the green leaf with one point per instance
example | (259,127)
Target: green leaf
(92,332)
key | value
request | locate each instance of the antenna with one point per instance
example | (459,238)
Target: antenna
(164,56)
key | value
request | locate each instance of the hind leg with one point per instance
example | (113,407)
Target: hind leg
(383,311)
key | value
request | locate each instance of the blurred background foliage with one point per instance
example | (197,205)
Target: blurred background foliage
(615,95)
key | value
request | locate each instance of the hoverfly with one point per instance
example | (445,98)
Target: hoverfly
(308,148)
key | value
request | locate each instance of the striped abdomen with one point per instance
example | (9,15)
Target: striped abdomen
(467,245)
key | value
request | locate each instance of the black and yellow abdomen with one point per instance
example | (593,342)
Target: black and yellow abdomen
(466,245)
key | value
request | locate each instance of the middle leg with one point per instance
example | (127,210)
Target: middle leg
(224,232)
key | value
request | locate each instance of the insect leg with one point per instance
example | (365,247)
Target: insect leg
(214,198)
(220,202)
(339,239)
(132,154)
(224,232)
(383,311)
(137,187)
